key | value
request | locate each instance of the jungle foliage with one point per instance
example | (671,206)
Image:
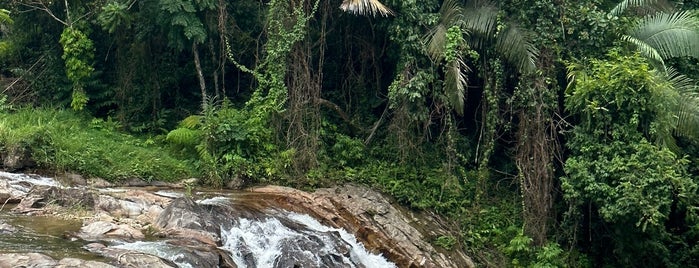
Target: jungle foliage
(549,133)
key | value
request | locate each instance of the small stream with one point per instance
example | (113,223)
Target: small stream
(278,238)
(41,234)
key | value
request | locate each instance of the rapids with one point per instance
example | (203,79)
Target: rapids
(276,238)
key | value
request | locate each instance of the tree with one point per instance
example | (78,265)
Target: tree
(662,33)
(474,31)
(631,185)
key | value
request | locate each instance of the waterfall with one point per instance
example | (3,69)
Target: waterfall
(289,239)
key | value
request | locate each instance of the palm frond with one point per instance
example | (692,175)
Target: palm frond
(436,41)
(514,45)
(455,83)
(681,99)
(650,5)
(450,12)
(687,111)
(365,7)
(645,49)
(5,16)
(191,122)
(669,34)
(688,116)
(480,16)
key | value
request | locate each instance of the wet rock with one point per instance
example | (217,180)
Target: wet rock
(186,214)
(70,197)
(16,158)
(196,254)
(12,260)
(41,195)
(78,263)
(130,258)
(294,252)
(6,228)
(72,179)
(29,204)
(135,204)
(99,183)
(372,219)
(100,229)
(186,234)
(135,182)
(8,194)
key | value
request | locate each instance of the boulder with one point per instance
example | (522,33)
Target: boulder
(184,213)
(72,179)
(134,204)
(12,260)
(8,194)
(78,263)
(100,230)
(17,158)
(130,258)
(6,228)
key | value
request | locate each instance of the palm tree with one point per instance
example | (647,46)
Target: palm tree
(474,26)
(663,33)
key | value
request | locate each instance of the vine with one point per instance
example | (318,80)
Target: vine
(78,53)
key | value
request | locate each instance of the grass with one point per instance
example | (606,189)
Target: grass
(65,141)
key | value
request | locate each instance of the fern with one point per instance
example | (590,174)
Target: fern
(183,136)
(191,122)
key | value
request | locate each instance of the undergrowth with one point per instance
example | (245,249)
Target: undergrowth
(65,141)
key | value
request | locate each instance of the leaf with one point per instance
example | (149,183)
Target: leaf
(5,16)
(648,4)
(514,45)
(183,136)
(365,7)
(668,34)
(455,83)
(191,122)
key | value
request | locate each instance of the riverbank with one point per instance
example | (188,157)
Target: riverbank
(167,226)
(63,141)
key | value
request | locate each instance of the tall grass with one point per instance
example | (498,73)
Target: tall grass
(65,141)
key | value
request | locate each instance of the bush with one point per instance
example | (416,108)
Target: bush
(63,140)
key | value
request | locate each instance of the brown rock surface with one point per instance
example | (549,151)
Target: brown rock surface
(12,260)
(100,229)
(371,218)
(78,263)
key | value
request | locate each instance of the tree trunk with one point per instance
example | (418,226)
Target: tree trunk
(200,75)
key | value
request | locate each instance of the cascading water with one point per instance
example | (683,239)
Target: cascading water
(253,235)
(256,236)
(289,239)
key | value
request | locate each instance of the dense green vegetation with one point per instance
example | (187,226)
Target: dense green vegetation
(64,141)
(550,133)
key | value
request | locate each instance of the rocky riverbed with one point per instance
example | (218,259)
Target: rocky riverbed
(141,224)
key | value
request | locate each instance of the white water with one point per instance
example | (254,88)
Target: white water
(358,253)
(30,178)
(158,248)
(263,238)
(219,200)
(16,179)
